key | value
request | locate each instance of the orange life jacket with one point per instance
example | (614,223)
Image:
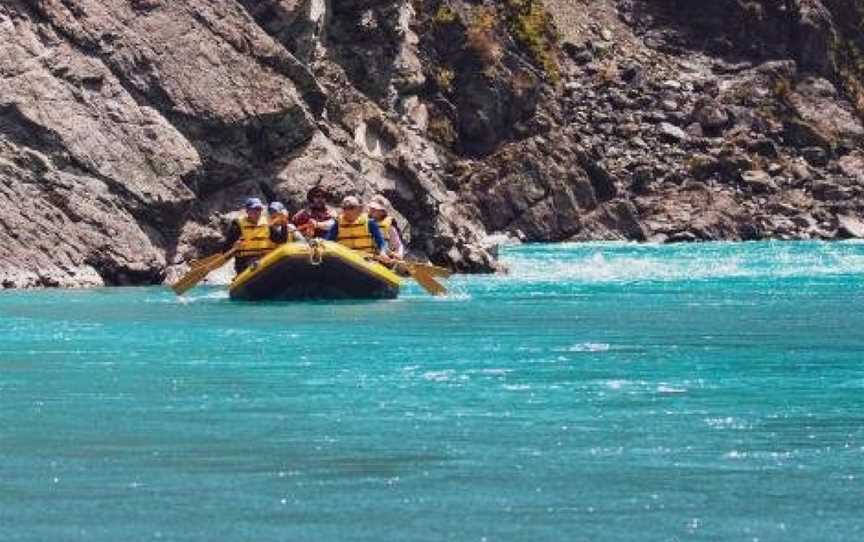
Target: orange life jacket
(254,238)
(356,235)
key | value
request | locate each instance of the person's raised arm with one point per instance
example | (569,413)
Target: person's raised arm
(380,242)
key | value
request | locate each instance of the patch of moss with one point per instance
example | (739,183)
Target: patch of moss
(481,36)
(445,15)
(444,78)
(441,130)
(532,27)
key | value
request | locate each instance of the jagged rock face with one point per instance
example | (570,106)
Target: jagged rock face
(129,130)
(685,130)
(89,175)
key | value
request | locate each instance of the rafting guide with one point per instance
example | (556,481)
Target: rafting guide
(315,219)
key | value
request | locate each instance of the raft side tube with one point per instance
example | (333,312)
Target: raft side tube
(332,271)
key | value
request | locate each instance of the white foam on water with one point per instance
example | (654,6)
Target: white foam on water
(667,389)
(452,297)
(587,347)
(495,371)
(439,376)
(728,422)
(195,296)
(620,262)
(516,387)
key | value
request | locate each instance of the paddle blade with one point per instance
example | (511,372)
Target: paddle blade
(432,270)
(190,280)
(432,286)
(200,270)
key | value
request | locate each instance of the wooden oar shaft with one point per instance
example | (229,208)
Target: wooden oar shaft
(201,270)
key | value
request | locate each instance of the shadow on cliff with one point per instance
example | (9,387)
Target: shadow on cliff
(732,30)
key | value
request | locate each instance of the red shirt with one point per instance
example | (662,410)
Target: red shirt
(305,216)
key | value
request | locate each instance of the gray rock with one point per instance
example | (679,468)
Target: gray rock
(816,156)
(733,164)
(829,191)
(605,184)
(670,133)
(760,182)
(764,147)
(643,176)
(852,165)
(850,227)
(814,37)
(711,115)
(682,237)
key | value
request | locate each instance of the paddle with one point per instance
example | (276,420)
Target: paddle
(432,270)
(423,274)
(201,269)
(209,260)
(424,279)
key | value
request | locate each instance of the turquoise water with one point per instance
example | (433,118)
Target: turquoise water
(598,392)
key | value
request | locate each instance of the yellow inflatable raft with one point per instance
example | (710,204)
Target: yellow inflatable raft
(320,269)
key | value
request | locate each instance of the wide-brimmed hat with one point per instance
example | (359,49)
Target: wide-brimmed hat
(254,203)
(350,201)
(379,202)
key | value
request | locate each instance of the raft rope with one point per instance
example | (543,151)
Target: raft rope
(316,252)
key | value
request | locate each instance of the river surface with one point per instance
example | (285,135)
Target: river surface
(598,392)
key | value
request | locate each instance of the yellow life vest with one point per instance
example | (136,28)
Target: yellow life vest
(385,226)
(254,238)
(356,235)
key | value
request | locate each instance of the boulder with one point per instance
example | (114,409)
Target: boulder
(852,165)
(815,156)
(671,133)
(802,134)
(710,115)
(829,191)
(604,183)
(814,37)
(850,227)
(764,147)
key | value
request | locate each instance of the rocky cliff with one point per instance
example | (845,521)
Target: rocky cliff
(130,128)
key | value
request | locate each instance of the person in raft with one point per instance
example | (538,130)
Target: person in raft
(281,229)
(250,235)
(378,210)
(354,229)
(315,220)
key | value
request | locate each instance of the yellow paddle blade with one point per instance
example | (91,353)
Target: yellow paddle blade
(432,270)
(201,270)
(190,280)
(428,283)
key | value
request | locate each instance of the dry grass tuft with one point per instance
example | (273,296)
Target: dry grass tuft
(481,37)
